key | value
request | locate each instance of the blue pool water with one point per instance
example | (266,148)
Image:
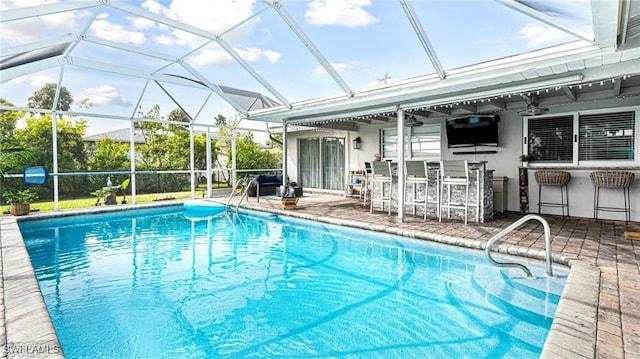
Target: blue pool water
(168,284)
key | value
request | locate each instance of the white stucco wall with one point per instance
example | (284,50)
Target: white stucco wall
(504,162)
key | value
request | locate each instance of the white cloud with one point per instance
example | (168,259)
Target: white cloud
(272,56)
(225,14)
(101,27)
(216,55)
(164,39)
(251,54)
(212,56)
(349,13)
(105,95)
(35,28)
(142,23)
(36,81)
(319,70)
(537,35)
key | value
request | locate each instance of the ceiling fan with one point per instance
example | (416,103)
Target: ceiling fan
(533,108)
(413,122)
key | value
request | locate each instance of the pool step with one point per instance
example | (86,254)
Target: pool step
(505,318)
(523,297)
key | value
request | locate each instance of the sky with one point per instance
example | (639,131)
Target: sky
(367,42)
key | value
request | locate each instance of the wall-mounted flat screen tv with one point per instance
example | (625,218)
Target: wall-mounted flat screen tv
(474,130)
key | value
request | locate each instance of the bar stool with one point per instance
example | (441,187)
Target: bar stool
(456,173)
(612,179)
(381,175)
(415,175)
(553,178)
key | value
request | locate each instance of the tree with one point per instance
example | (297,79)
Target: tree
(109,156)
(71,154)
(166,147)
(220,120)
(177,115)
(43,98)
(156,136)
(249,155)
(8,120)
(11,158)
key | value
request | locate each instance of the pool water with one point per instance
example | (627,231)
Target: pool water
(166,284)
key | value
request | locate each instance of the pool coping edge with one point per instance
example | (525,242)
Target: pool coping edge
(29,330)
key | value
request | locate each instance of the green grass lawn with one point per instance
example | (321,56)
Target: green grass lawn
(90,201)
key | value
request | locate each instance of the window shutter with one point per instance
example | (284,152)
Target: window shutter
(607,136)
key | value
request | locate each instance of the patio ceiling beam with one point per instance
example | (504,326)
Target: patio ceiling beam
(440,111)
(422,36)
(360,120)
(501,105)
(570,92)
(380,118)
(544,18)
(422,113)
(345,126)
(617,86)
(45,9)
(302,36)
(473,108)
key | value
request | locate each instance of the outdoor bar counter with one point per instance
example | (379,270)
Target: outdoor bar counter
(481,180)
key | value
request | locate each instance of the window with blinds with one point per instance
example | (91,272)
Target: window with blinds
(550,139)
(606,136)
(389,143)
(423,142)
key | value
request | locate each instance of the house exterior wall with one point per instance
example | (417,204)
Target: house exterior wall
(504,162)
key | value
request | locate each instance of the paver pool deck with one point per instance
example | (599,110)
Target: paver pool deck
(598,316)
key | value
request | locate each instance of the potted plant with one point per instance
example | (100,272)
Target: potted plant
(524,158)
(20,201)
(123,187)
(99,193)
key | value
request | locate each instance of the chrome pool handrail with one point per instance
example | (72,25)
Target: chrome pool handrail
(516,224)
(244,191)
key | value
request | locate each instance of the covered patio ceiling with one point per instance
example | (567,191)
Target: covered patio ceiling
(163,48)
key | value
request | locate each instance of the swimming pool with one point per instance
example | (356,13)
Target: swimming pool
(157,283)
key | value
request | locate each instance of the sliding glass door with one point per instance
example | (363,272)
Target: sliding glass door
(309,163)
(321,163)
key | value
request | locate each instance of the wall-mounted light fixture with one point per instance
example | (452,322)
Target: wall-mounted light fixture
(356,143)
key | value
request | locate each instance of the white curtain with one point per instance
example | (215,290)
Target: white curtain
(309,162)
(321,163)
(333,163)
